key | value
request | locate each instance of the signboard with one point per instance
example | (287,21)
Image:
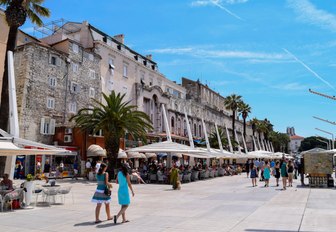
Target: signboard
(318,163)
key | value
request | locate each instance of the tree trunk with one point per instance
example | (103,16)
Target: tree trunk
(4,108)
(233,124)
(244,122)
(112,148)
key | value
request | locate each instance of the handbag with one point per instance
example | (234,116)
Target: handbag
(107,191)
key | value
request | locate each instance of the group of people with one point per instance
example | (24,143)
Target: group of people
(102,193)
(264,169)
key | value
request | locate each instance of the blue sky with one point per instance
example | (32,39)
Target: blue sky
(270,52)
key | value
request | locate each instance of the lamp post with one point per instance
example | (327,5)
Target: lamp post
(322,141)
(329,142)
(329,133)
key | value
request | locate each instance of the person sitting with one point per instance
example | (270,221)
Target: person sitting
(137,174)
(7,183)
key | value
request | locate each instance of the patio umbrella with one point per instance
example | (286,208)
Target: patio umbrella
(136,155)
(8,148)
(150,155)
(95,150)
(122,154)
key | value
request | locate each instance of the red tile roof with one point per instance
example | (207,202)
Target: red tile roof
(296,137)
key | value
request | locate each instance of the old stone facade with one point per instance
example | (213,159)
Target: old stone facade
(53,82)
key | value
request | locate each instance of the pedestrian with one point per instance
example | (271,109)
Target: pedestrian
(262,165)
(100,195)
(284,174)
(75,169)
(247,168)
(18,170)
(97,167)
(254,175)
(87,168)
(301,171)
(277,173)
(46,171)
(123,178)
(290,173)
(174,177)
(267,173)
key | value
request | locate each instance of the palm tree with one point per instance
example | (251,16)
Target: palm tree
(17,12)
(231,103)
(213,140)
(254,124)
(262,128)
(114,118)
(244,109)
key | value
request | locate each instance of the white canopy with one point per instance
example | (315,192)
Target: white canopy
(95,150)
(8,148)
(136,155)
(122,154)
(166,147)
(259,154)
(318,151)
(150,155)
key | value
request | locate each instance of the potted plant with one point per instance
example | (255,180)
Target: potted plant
(29,185)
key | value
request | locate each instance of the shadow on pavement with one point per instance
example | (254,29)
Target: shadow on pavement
(261,230)
(107,225)
(85,224)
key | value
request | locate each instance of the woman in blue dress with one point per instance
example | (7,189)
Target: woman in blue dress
(267,173)
(99,196)
(124,181)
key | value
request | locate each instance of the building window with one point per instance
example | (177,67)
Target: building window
(73,107)
(52,81)
(92,92)
(75,48)
(50,103)
(74,87)
(92,74)
(47,126)
(75,67)
(172,122)
(125,70)
(54,60)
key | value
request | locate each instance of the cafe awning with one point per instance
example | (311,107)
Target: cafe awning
(95,150)
(7,148)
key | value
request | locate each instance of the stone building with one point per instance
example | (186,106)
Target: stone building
(3,42)
(53,82)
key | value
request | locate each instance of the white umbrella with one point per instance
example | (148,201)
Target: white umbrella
(95,150)
(122,154)
(9,149)
(150,155)
(136,155)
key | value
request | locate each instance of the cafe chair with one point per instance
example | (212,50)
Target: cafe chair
(63,191)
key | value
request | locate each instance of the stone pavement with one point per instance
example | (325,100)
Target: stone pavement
(220,204)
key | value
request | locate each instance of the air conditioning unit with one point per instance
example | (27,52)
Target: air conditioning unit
(68,130)
(67,138)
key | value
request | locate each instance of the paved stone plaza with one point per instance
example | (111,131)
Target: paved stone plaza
(220,204)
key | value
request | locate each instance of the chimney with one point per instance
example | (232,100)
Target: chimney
(149,57)
(120,38)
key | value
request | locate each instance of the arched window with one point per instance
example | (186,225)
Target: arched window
(172,122)
(195,132)
(200,130)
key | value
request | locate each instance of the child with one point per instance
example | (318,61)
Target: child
(254,176)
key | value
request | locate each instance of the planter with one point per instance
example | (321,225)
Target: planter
(29,185)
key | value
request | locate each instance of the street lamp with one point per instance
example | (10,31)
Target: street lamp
(325,120)
(329,143)
(329,133)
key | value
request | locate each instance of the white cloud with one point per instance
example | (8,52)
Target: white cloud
(210,53)
(219,4)
(307,12)
(292,86)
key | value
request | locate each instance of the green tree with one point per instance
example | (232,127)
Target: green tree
(279,140)
(115,118)
(244,109)
(16,13)
(312,142)
(213,139)
(231,103)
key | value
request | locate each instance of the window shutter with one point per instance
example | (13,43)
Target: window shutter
(58,61)
(52,126)
(42,126)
